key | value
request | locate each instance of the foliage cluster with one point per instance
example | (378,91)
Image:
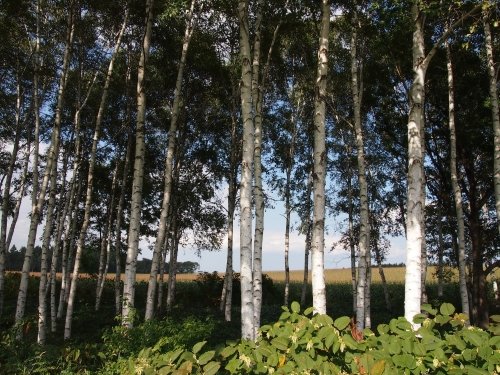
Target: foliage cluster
(312,344)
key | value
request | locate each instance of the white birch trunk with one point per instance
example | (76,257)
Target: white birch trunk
(61,216)
(20,198)
(136,204)
(105,255)
(495,116)
(51,159)
(257,95)
(49,221)
(172,271)
(415,206)
(75,192)
(364,231)
(118,226)
(320,156)
(227,290)
(288,209)
(307,247)
(416,146)
(247,310)
(457,193)
(167,188)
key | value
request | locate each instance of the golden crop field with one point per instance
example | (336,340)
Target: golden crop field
(332,276)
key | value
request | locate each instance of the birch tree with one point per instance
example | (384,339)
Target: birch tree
(364,230)
(136,204)
(247,308)
(495,116)
(320,156)
(90,183)
(457,191)
(167,188)
(416,179)
(51,160)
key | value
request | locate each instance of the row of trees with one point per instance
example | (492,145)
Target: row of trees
(352,109)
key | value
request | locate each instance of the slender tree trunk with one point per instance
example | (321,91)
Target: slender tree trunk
(227,290)
(136,204)
(69,234)
(161,281)
(61,216)
(106,241)
(49,223)
(415,227)
(247,310)
(495,116)
(167,188)
(350,220)
(307,247)
(457,193)
(415,206)
(118,230)
(172,270)
(318,231)
(364,230)
(257,95)
(19,199)
(368,288)
(387,296)
(288,208)
(51,159)
(440,259)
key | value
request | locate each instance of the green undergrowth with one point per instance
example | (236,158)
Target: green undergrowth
(304,343)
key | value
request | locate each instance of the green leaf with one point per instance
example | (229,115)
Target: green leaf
(233,365)
(495,318)
(471,370)
(394,346)
(341,323)
(447,309)
(382,328)
(378,368)
(295,307)
(419,318)
(211,368)
(406,361)
(197,347)
(309,311)
(205,357)
(280,343)
(428,308)
(227,351)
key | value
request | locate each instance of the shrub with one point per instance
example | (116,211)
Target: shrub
(313,344)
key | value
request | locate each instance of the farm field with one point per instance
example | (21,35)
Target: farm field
(332,276)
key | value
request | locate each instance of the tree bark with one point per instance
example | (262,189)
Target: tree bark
(414,219)
(320,156)
(49,221)
(257,96)
(495,116)
(307,247)
(247,308)
(457,193)
(136,204)
(105,253)
(167,188)
(364,230)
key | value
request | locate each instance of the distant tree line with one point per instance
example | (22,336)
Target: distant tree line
(15,258)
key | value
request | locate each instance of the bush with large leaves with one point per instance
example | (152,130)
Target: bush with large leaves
(316,344)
